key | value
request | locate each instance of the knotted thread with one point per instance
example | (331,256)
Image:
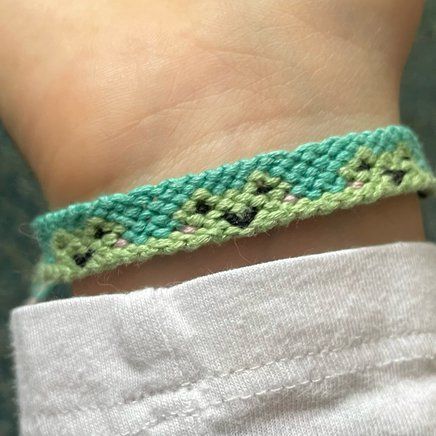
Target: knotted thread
(235,200)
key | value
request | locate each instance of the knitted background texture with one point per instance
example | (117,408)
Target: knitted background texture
(235,200)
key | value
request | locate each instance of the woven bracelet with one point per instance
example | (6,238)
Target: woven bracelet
(235,200)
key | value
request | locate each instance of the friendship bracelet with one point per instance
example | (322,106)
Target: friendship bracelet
(235,200)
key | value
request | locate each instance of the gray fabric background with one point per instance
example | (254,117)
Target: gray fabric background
(20,199)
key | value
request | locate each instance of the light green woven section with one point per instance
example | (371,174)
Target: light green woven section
(236,200)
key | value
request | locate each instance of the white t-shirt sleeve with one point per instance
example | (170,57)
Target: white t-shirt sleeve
(336,343)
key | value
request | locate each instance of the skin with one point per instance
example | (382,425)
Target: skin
(123,93)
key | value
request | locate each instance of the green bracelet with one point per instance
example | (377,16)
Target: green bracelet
(235,200)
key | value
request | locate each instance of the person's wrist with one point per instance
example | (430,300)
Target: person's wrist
(130,109)
(199,92)
(224,128)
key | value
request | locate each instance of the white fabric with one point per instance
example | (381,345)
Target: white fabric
(337,343)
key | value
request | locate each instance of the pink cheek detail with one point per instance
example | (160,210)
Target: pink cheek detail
(120,243)
(188,229)
(290,198)
(356,185)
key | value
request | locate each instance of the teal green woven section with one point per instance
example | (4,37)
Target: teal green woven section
(234,200)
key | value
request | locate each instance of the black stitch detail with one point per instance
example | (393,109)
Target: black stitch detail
(243,220)
(99,233)
(263,189)
(202,207)
(364,166)
(397,175)
(82,258)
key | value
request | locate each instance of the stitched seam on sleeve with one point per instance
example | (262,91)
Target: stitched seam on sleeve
(276,390)
(366,340)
